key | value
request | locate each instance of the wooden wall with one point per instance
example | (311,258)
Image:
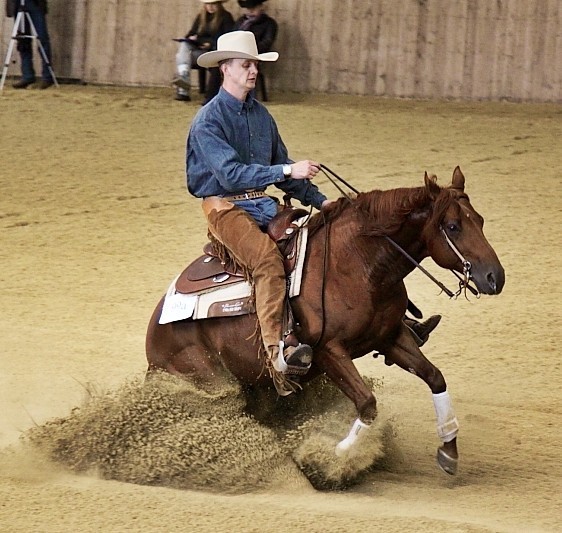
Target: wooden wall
(467,49)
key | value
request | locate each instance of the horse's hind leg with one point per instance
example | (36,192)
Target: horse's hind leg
(180,350)
(406,354)
(201,367)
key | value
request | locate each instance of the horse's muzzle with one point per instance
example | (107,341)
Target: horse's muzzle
(489,280)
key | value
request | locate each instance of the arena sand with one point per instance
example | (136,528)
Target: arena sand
(95,223)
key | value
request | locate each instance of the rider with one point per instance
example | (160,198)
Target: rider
(234,152)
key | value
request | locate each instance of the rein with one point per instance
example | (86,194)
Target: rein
(463,281)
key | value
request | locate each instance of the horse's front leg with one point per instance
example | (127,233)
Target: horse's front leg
(339,367)
(406,354)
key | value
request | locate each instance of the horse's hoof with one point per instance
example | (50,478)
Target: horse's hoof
(447,463)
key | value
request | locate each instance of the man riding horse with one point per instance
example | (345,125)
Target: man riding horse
(234,152)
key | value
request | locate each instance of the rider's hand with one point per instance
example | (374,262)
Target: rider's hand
(304,170)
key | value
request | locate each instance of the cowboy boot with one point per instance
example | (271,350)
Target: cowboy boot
(290,363)
(182,83)
(293,360)
(421,330)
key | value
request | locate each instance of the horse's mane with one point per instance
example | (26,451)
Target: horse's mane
(384,212)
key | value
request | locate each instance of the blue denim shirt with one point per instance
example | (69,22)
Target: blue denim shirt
(233,147)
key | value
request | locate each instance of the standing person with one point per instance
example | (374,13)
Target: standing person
(211,22)
(37,10)
(264,28)
(234,152)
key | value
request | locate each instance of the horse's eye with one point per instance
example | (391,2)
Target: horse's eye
(453,227)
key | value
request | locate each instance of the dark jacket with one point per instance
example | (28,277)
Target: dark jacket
(12,6)
(264,28)
(206,36)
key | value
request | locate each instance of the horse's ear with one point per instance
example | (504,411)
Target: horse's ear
(431,184)
(458,179)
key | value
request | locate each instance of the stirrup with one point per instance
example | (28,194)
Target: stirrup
(293,360)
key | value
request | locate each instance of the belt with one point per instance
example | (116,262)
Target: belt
(245,196)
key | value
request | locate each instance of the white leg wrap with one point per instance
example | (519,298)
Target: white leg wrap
(447,423)
(358,430)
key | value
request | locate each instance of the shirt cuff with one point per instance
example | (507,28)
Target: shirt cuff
(279,176)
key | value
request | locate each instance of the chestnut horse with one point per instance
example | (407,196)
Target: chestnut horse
(352,300)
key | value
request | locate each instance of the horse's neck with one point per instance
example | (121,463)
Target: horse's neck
(381,259)
(410,240)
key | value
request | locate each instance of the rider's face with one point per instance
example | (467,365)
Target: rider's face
(242,73)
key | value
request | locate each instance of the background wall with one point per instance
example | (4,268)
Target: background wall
(468,49)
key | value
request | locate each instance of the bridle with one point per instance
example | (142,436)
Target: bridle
(466,267)
(464,280)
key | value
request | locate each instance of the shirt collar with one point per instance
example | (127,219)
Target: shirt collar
(232,102)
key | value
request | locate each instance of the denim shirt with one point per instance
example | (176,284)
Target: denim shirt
(233,147)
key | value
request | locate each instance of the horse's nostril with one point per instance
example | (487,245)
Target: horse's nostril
(491,281)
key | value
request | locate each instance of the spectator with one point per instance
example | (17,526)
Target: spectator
(37,10)
(264,28)
(256,20)
(208,26)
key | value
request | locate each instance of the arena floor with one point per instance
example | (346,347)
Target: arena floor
(95,223)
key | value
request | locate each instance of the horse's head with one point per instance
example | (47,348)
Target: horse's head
(455,239)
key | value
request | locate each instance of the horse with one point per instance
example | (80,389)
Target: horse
(352,301)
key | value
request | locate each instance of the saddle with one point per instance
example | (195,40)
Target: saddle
(207,272)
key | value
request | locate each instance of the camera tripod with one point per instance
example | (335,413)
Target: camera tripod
(19,32)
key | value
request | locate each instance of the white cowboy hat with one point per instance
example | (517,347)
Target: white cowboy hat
(235,45)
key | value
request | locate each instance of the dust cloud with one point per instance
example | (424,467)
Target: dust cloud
(165,431)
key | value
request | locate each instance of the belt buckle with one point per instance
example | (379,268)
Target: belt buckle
(247,195)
